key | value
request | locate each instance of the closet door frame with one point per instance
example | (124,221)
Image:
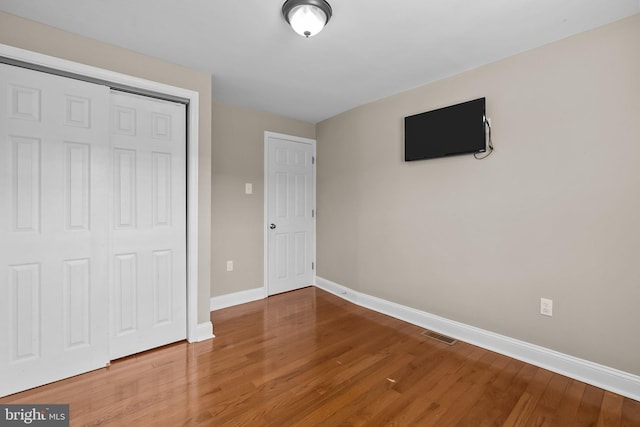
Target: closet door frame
(12,55)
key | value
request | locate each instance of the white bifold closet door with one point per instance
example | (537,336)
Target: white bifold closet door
(148,283)
(54,204)
(92,226)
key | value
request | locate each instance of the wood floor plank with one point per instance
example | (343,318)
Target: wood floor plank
(499,396)
(415,401)
(524,412)
(309,358)
(453,396)
(610,410)
(569,404)
(549,401)
(630,413)
(589,409)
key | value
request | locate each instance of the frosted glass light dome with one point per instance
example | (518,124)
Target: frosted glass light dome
(307,17)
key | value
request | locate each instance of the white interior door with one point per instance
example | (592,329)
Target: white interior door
(148,257)
(290,212)
(53,228)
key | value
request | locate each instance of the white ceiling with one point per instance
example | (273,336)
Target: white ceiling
(369,50)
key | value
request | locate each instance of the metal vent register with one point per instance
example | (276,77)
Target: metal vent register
(439,337)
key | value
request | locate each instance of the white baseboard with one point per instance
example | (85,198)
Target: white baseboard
(236,298)
(204,331)
(607,378)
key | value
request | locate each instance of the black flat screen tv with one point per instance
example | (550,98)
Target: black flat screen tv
(448,131)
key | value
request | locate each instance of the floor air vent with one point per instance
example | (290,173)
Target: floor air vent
(439,337)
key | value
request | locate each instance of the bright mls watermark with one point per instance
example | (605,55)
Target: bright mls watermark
(34,415)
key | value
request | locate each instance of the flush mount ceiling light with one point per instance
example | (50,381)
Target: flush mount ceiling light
(306,17)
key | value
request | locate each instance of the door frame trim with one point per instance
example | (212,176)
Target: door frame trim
(267,135)
(195,331)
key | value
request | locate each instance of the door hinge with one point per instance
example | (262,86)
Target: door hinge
(313,213)
(313,265)
(313,160)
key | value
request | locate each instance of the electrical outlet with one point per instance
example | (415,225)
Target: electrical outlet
(546,307)
(229,265)
(248,188)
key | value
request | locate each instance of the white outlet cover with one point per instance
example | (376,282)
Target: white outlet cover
(248,188)
(546,307)
(229,265)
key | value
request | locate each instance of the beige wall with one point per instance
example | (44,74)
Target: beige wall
(238,218)
(25,34)
(554,212)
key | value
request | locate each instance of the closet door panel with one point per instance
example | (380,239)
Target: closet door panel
(148,139)
(54,225)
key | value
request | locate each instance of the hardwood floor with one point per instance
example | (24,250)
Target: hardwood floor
(308,358)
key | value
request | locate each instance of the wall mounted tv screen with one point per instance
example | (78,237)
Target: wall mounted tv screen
(448,131)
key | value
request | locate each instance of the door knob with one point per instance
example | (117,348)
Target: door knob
(272,226)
